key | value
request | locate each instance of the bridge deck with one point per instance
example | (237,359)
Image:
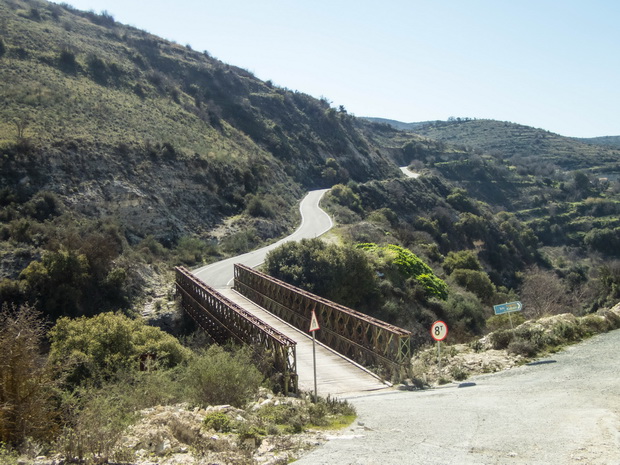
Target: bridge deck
(336,375)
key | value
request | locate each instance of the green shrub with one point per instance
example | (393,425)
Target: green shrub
(504,321)
(458,372)
(523,347)
(464,313)
(259,207)
(8,456)
(192,251)
(567,331)
(288,417)
(461,260)
(219,377)
(535,334)
(248,431)
(501,339)
(97,348)
(409,266)
(98,418)
(477,282)
(594,324)
(612,318)
(218,421)
(240,242)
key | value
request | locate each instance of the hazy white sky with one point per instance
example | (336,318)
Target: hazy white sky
(552,64)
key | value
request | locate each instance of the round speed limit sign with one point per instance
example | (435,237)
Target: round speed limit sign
(439,330)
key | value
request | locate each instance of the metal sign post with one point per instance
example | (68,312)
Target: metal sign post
(439,331)
(314,326)
(509,308)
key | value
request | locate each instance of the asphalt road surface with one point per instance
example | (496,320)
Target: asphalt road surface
(407,172)
(564,410)
(314,222)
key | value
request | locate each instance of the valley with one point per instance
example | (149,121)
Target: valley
(123,155)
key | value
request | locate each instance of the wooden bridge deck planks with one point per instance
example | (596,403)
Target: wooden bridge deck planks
(336,375)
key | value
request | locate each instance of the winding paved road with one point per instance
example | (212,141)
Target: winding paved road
(314,222)
(336,375)
(407,172)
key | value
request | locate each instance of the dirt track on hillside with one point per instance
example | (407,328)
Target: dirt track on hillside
(561,410)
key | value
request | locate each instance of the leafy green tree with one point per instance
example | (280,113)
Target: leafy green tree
(607,284)
(99,347)
(464,314)
(477,282)
(57,282)
(581,184)
(345,196)
(463,260)
(606,240)
(341,274)
(459,199)
(472,226)
(258,206)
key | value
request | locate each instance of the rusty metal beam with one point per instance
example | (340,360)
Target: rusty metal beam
(224,320)
(364,339)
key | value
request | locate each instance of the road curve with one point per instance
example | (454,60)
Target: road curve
(314,222)
(407,172)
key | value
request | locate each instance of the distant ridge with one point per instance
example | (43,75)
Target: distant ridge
(518,142)
(398,124)
(609,141)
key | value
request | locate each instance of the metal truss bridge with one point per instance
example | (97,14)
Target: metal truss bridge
(366,345)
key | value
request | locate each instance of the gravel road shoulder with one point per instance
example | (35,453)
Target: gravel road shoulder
(565,410)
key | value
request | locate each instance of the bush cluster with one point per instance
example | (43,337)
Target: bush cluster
(532,337)
(100,373)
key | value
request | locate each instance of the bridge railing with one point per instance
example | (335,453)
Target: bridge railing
(366,340)
(224,320)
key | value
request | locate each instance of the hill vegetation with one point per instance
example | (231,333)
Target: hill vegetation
(115,142)
(531,150)
(123,154)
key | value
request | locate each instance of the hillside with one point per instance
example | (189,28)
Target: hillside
(123,154)
(611,141)
(397,124)
(535,150)
(119,122)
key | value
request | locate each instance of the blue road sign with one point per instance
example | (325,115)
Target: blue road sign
(508,307)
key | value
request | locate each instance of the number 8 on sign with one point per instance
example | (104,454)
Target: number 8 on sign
(439,330)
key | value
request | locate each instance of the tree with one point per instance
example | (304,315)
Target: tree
(99,347)
(26,409)
(477,282)
(606,240)
(461,260)
(341,274)
(344,195)
(459,199)
(543,293)
(57,282)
